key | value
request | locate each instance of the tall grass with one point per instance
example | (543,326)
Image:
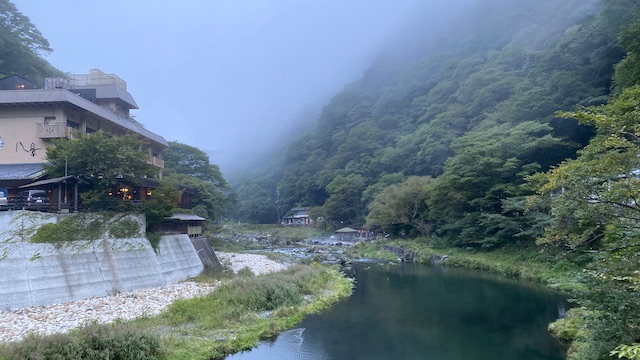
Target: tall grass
(234,300)
(90,342)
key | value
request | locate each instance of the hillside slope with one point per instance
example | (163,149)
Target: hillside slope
(505,67)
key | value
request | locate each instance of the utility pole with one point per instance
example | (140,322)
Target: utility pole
(278,203)
(66,170)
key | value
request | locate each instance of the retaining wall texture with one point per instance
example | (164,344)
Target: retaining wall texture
(45,274)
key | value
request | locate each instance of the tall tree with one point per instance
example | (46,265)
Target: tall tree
(161,204)
(16,26)
(403,206)
(22,46)
(628,70)
(596,197)
(100,160)
(188,160)
(344,205)
(489,167)
(188,165)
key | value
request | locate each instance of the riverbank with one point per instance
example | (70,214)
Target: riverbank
(216,318)
(15,325)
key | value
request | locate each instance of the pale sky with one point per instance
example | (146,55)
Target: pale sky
(223,76)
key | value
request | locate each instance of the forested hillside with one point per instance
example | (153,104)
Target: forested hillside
(475,109)
(22,46)
(517,128)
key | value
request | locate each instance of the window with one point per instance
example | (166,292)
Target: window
(73,124)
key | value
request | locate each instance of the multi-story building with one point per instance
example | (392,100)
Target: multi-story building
(31,117)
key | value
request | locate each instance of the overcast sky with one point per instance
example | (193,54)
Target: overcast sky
(223,76)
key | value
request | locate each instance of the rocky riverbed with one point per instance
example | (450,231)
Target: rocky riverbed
(59,318)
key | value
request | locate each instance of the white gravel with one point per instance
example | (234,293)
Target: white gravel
(60,318)
(258,264)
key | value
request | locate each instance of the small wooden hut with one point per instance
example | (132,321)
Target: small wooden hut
(347,234)
(184,224)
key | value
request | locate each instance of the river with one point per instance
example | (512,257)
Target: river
(414,311)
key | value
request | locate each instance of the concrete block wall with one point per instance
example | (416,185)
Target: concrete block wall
(177,258)
(45,274)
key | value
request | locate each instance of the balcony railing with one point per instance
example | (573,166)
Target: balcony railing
(53,131)
(155,162)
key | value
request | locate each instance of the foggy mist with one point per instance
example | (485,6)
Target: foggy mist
(231,77)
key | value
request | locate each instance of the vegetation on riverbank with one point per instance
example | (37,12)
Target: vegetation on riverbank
(249,308)
(234,317)
(90,342)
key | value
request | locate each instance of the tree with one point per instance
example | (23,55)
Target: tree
(403,205)
(22,45)
(489,167)
(190,166)
(188,160)
(206,195)
(16,25)
(627,71)
(160,205)
(101,161)
(596,197)
(344,204)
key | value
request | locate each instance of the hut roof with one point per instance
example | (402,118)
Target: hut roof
(186,217)
(346,230)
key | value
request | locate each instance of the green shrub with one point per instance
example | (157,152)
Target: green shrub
(154,240)
(253,294)
(245,271)
(91,342)
(88,227)
(49,233)
(568,328)
(125,229)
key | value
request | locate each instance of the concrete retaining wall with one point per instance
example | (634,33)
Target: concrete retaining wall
(44,274)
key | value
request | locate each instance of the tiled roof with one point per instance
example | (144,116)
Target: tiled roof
(20,171)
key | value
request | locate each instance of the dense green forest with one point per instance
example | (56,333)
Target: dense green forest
(476,110)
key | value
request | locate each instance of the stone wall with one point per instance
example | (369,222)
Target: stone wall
(44,274)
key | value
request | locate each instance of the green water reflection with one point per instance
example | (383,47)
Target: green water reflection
(412,311)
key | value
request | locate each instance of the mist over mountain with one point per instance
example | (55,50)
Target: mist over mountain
(499,68)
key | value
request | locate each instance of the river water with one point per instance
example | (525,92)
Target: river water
(414,311)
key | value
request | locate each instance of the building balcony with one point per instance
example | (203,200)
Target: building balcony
(155,162)
(53,131)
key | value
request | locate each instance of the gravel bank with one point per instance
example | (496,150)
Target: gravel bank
(59,318)
(258,264)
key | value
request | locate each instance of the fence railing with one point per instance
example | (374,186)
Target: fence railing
(62,207)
